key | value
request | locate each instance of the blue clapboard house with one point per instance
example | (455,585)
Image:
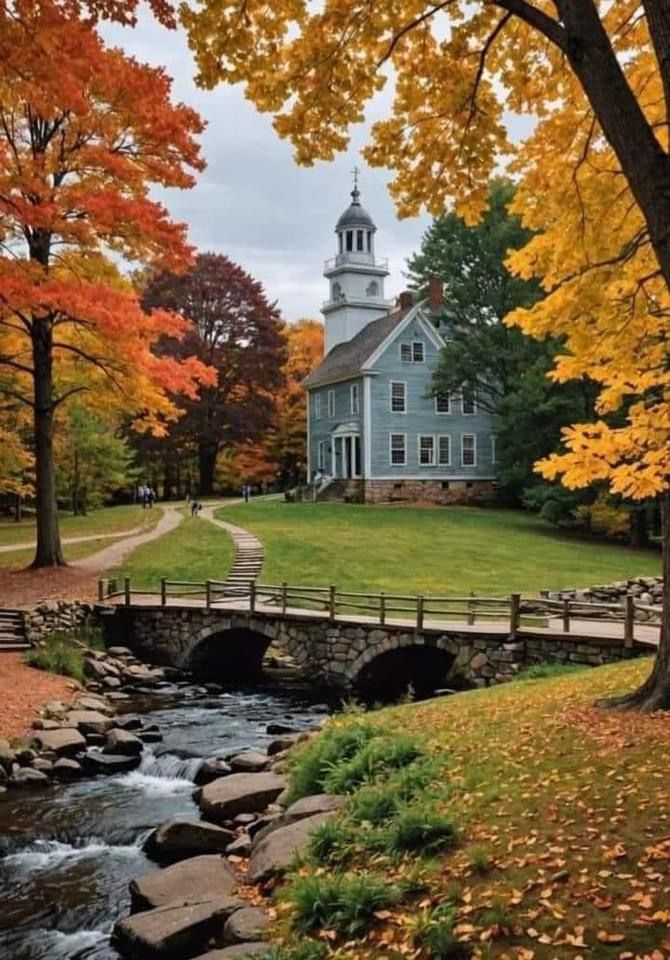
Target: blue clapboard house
(375,432)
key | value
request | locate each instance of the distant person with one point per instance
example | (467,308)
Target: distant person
(245,492)
(195,508)
(151,496)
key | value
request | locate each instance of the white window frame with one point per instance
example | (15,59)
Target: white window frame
(422,344)
(403,384)
(404,449)
(474,449)
(426,436)
(408,348)
(494,458)
(331,404)
(317,406)
(447,437)
(447,412)
(469,413)
(354,398)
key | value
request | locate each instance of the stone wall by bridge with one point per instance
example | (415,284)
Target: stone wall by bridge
(341,655)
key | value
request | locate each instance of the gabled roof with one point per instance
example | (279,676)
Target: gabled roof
(345,360)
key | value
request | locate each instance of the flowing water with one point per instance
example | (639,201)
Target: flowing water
(67,854)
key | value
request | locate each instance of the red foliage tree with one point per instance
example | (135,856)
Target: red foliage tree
(84,133)
(238,333)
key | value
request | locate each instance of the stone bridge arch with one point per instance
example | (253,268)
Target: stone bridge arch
(386,669)
(228,650)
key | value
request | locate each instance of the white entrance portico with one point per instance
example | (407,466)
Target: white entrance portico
(345,451)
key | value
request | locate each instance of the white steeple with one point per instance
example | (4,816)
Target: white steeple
(356,276)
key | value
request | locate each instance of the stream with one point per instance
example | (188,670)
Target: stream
(67,854)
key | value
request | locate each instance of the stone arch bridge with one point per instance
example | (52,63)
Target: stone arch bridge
(227,643)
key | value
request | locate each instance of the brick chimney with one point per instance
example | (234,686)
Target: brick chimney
(406,300)
(435,293)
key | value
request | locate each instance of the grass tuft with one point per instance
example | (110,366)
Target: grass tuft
(58,654)
(434,934)
(421,830)
(545,671)
(338,901)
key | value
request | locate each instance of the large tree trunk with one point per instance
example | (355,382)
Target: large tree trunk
(49,552)
(207,452)
(654,694)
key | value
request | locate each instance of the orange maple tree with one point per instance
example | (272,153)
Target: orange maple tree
(84,133)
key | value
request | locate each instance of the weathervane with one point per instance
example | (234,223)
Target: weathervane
(355,193)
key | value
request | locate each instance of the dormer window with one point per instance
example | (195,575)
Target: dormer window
(413,352)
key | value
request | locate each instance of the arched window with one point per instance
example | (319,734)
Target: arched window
(337,291)
(372,289)
(359,241)
(350,240)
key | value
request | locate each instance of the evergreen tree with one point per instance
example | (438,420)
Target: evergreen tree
(503,367)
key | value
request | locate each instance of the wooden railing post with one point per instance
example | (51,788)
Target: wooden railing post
(471,610)
(382,609)
(208,594)
(101,589)
(111,587)
(284,597)
(419,613)
(252,596)
(566,615)
(514,611)
(163,591)
(331,602)
(629,622)
(126,590)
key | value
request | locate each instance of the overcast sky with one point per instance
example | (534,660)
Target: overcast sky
(253,203)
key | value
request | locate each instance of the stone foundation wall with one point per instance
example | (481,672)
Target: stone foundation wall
(429,491)
(54,616)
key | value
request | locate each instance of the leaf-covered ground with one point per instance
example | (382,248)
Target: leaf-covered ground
(564,812)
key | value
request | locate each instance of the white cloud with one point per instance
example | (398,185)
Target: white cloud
(253,203)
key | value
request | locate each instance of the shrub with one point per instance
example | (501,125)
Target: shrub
(58,655)
(421,830)
(434,933)
(338,902)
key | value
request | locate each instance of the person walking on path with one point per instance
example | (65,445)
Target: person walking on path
(151,496)
(246,492)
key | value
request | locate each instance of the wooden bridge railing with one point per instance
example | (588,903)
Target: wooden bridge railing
(412,610)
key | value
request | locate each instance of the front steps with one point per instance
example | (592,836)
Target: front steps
(12,631)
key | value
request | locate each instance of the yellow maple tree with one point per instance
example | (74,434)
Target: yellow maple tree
(594,171)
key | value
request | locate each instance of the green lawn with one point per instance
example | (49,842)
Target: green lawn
(72,551)
(105,520)
(433,551)
(196,550)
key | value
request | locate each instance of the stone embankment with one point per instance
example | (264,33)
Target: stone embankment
(204,902)
(85,737)
(647,592)
(645,589)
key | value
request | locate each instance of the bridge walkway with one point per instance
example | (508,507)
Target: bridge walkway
(580,629)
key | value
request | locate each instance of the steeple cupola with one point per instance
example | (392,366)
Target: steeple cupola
(356,276)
